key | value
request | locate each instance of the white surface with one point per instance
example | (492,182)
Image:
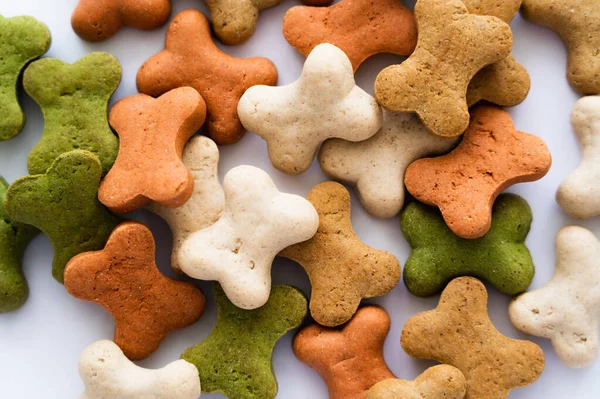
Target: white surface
(41,343)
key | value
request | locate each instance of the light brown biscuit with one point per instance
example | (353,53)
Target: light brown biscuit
(503,9)
(98,20)
(350,360)
(453,46)
(124,279)
(578,24)
(234,21)
(341,268)
(437,382)
(152,133)
(465,183)
(459,333)
(191,58)
(360,28)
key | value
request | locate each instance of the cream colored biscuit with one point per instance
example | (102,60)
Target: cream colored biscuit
(376,166)
(108,374)
(203,209)
(257,223)
(579,194)
(567,309)
(323,103)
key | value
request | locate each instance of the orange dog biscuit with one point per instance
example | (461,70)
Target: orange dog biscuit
(152,134)
(350,360)
(191,58)
(124,279)
(465,183)
(360,28)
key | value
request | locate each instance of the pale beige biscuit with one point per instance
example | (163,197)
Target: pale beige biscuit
(108,374)
(203,209)
(579,194)
(376,166)
(567,309)
(453,45)
(437,382)
(258,221)
(323,103)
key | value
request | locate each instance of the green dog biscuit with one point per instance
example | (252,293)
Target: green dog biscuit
(14,238)
(22,39)
(438,255)
(74,99)
(235,359)
(63,203)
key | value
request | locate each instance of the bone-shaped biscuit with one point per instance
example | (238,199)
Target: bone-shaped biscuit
(124,279)
(191,58)
(360,28)
(14,238)
(203,209)
(464,183)
(237,251)
(350,360)
(438,255)
(567,309)
(235,359)
(22,39)
(579,194)
(433,81)
(108,374)
(234,21)
(578,24)
(342,269)
(63,203)
(324,102)
(74,100)
(152,134)
(459,333)
(98,20)
(437,382)
(376,166)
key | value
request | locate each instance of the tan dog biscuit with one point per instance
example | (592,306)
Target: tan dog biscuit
(341,268)
(459,333)
(350,360)
(234,21)
(191,58)
(578,24)
(361,28)
(152,134)
(376,166)
(465,183)
(436,382)
(453,46)
(124,279)
(503,9)
(203,209)
(97,20)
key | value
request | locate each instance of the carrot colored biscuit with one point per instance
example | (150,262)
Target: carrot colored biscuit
(459,333)
(341,268)
(360,28)
(98,20)
(453,46)
(350,359)
(124,279)
(191,58)
(152,134)
(465,183)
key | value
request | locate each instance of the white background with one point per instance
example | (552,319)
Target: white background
(40,344)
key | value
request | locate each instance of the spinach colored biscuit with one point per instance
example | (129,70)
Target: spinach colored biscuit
(438,255)
(74,99)
(235,359)
(22,39)
(14,238)
(63,203)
